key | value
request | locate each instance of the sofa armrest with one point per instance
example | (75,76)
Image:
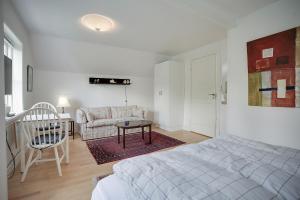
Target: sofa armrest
(80,117)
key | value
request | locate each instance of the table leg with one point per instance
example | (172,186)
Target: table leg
(124,138)
(143,132)
(67,142)
(73,129)
(15,135)
(23,149)
(150,134)
(70,128)
(118,135)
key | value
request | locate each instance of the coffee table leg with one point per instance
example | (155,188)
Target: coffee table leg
(118,135)
(150,134)
(73,129)
(124,138)
(143,132)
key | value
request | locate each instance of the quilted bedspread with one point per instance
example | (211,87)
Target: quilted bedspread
(227,167)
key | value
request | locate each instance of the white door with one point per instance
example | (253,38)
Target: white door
(203,96)
(161,94)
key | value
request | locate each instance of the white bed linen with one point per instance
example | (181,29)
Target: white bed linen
(110,188)
(227,167)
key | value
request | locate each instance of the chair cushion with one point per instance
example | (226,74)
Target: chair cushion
(48,139)
(46,128)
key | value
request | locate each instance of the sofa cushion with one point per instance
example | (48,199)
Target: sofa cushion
(121,111)
(110,122)
(101,122)
(138,112)
(90,116)
(99,113)
(129,119)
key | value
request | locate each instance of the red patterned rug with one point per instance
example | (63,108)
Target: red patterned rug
(108,150)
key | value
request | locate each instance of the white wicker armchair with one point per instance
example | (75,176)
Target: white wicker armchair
(43,129)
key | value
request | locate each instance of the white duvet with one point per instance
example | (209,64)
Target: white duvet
(227,167)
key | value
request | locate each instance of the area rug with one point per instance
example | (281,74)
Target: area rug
(108,150)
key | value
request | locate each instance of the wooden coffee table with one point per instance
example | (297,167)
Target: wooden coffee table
(134,124)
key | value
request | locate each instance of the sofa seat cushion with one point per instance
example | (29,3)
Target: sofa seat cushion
(101,122)
(128,119)
(110,122)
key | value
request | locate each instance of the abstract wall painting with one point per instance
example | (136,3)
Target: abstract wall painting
(274,70)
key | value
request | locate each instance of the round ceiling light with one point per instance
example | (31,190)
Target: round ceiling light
(97,22)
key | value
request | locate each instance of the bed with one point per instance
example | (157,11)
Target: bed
(226,167)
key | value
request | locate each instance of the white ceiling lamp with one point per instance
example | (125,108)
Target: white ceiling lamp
(97,22)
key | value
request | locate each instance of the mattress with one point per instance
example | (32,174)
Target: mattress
(227,167)
(110,188)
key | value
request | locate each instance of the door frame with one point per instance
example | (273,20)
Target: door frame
(218,89)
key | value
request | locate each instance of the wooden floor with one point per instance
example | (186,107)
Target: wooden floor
(43,183)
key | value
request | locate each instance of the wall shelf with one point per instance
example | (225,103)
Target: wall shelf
(109,81)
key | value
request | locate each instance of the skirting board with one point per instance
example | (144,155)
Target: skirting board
(10,167)
(171,129)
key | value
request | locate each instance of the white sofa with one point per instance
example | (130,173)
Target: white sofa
(100,122)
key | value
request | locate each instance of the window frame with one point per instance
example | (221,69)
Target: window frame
(8,50)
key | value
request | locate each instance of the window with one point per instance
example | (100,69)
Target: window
(8,48)
(15,99)
(8,51)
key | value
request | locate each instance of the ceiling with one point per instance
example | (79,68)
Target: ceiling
(167,27)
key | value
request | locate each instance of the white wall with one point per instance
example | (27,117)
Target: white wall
(49,85)
(58,54)
(13,21)
(15,24)
(272,125)
(21,34)
(63,67)
(3,170)
(217,48)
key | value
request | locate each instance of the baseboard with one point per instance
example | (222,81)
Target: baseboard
(10,166)
(171,129)
(186,128)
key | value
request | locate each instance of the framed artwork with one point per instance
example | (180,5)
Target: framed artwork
(274,70)
(29,78)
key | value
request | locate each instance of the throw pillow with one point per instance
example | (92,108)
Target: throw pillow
(101,113)
(138,112)
(90,116)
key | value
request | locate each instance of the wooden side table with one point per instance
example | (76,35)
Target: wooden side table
(72,127)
